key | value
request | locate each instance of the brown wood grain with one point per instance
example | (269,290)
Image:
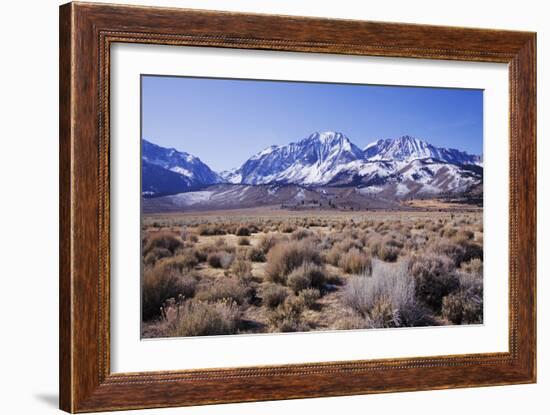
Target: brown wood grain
(86,33)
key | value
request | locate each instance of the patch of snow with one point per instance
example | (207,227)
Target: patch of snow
(182,171)
(301,195)
(369,190)
(401,189)
(193,198)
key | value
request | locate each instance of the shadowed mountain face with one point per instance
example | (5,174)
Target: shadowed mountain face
(392,169)
(168,171)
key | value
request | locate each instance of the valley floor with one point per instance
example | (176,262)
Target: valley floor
(265,270)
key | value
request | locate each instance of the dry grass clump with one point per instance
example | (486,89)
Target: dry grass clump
(459,249)
(273,295)
(224,289)
(309,297)
(306,276)
(163,240)
(339,247)
(386,298)
(243,241)
(196,318)
(386,248)
(255,254)
(155,254)
(158,286)
(284,257)
(434,278)
(355,261)
(210,230)
(287,317)
(220,259)
(449,248)
(268,241)
(242,231)
(474,267)
(286,228)
(241,268)
(465,306)
(179,263)
(301,233)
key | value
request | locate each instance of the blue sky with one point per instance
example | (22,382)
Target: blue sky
(225,121)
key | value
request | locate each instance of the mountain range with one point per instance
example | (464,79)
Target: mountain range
(395,168)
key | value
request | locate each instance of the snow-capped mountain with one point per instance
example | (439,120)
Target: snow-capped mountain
(408,148)
(402,167)
(169,171)
(179,162)
(315,160)
(330,158)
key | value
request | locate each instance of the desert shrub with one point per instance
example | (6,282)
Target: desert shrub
(284,257)
(220,259)
(221,245)
(434,278)
(388,253)
(464,234)
(309,297)
(196,318)
(466,305)
(305,276)
(474,266)
(386,248)
(273,295)
(241,268)
(243,241)
(356,262)
(155,254)
(287,317)
(268,241)
(210,230)
(447,247)
(227,260)
(191,237)
(255,254)
(242,231)
(301,234)
(157,287)
(286,228)
(448,232)
(471,251)
(214,259)
(162,240)
(459,249)
(333,255)
(200,254)
(179,263)
(224,289)
(386,298)
(186,260)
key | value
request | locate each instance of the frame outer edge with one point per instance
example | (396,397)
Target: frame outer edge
(82,388)
(66,120)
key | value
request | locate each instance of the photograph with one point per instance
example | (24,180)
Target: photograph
(272,206)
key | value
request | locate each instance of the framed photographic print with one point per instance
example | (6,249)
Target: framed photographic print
(258,207)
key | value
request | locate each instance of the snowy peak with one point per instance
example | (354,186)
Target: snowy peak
(312,160)
(396,167)
(168,171)
(407,148)
(179,162)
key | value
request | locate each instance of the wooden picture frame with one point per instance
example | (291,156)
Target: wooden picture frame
(86,33)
